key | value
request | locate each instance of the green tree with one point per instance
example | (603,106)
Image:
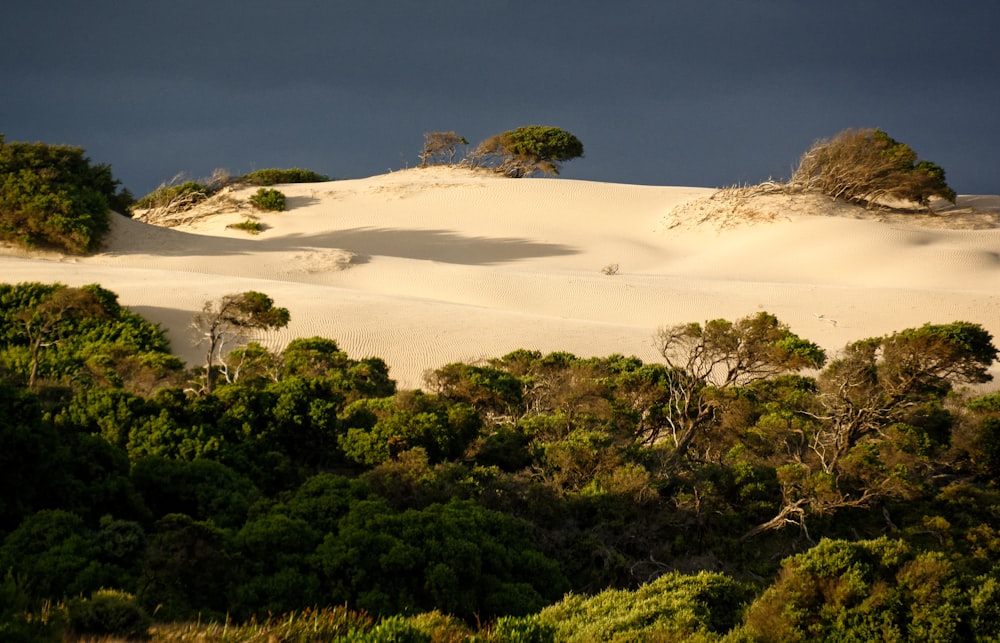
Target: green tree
(231,319)
(59,554)
(378,429)
(29,456)
(870,590)
(868,166)
(864,442)
(186,570)
(707,360)
(458,557)
(51,196)
(81,334)
(54,318)
(528,150)
(202,489)
(276,574)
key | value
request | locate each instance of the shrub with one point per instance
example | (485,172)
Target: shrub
(248,225)
(52,197)
(271,200)
(868,166)
(274,176)
(440,147)
(108,612)
(527,150)
(174,197)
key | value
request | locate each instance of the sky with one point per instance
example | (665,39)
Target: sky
(661,92)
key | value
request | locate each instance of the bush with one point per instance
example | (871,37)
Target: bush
(52,197)
(271,200)
(868,166)
(174,197)
(528,150)
(248,225)
(274,176)
(108,612)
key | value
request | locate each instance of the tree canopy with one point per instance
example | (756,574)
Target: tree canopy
(52,197)
(528,150)
(537,497)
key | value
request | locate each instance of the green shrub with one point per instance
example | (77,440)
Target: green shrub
(527,150)
(108,612)
(188,193)
(274,176)
(249,225)
(52,197)
(524,629)
(271,200)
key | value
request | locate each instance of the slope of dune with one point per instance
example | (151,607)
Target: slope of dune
(428,266)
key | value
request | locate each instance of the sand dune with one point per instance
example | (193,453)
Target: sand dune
(428,266)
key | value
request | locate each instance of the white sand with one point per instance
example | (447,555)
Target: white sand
(429,266)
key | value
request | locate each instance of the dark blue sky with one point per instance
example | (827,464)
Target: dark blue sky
(688,92)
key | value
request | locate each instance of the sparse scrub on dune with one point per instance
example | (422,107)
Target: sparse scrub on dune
(163,205)
(174,196)
(249,226)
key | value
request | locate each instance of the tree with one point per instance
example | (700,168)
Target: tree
(232,318)
(440,147)
(53,318)
(706,360)
(862,421)
(868,166)
(528,150)
(51,196)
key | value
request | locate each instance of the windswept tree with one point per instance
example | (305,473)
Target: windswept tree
(528,150)
(867,166)
(863,444)
(705,361)
(440,148)
(53,318)
(234,318)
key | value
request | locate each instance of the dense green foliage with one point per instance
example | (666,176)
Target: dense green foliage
(528,150)
(52,197)
(268,199)
(275,176)
(868,166)
(719,495)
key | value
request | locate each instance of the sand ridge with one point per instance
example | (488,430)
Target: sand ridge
(423,267)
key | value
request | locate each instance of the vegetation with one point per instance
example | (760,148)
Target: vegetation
(268,199)
(440,147)
(250,226)
(179,196)
(175,196)
(231,319)
(52,197)
(527,150)
(867,166)
(743,488)
(275,176)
